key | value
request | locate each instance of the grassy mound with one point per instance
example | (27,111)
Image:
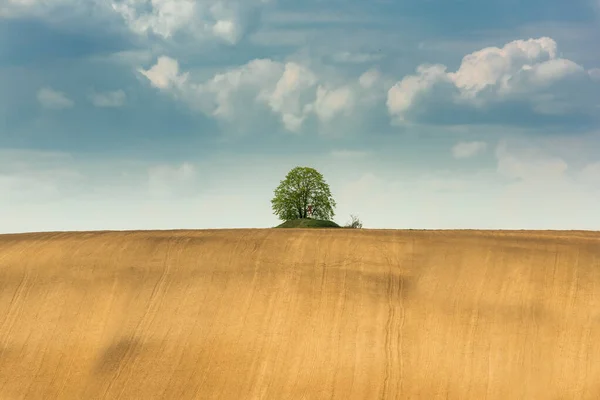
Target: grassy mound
(308,223)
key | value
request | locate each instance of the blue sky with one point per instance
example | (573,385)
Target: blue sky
(158,114)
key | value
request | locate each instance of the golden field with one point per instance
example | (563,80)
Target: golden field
(300,314)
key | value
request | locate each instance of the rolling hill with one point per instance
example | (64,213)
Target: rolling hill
(300,314)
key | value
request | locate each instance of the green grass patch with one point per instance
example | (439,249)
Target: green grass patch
(308,223)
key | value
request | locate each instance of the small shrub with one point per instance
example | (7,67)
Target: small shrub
(355,223)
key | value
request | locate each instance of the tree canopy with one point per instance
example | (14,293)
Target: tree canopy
(301,188)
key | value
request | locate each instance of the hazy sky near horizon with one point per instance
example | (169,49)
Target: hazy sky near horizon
(139,114)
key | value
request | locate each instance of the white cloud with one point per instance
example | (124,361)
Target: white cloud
(291,95)
(225,20)
(164,74)
(527,71)
(595,74)
(468,149)
(227,30)
(332,103)
(369,78)
(108,99)
(403,94)
(228,94)
(53,99)
(162,17)
(494,66)
(290,90)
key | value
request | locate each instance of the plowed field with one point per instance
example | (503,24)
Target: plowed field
(300,314)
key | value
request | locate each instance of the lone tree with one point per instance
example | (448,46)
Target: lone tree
(302,187)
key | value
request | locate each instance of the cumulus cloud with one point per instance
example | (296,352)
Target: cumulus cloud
(227,30)
(53,99)
(528,73)
(468,149)
(495,67)
(232,94)
(291,95)
(163,18)
(164,74)
(108,99)
(405,93)
(290,90)
(331,103)
(369,79)
(199,19)
(225,20)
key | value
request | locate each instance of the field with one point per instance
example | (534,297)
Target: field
(300,314)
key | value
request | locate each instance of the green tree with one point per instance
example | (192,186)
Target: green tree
(302,187)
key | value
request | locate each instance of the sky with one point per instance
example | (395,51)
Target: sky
(177,114)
